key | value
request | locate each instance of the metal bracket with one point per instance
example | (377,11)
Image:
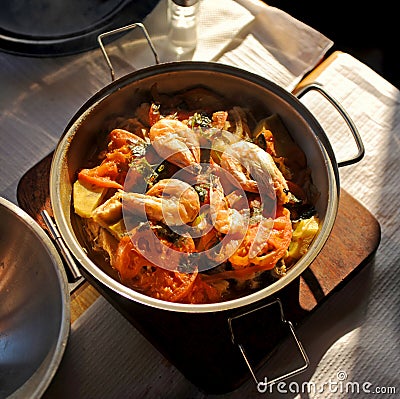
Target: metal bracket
(297,341)
(62,248)
(351,125)
(119,30)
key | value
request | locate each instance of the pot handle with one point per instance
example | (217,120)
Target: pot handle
(73,272)
(344,115)
(120,30)
(263,385)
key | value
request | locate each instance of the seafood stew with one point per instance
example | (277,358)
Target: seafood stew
(191,198)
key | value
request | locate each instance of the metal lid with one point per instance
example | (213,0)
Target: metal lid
(50,28)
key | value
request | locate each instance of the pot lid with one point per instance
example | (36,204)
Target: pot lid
(58,27)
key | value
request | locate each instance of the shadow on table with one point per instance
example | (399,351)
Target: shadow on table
(328,325)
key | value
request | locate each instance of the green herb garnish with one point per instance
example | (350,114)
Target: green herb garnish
(142,166)
(138,149)
(199,119)
(202,192)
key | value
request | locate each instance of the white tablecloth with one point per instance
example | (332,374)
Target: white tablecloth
(354,337)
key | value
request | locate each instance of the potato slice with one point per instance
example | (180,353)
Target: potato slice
(87,198)
(118,229)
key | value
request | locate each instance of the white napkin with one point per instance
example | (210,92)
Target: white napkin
(354,339)
(278,47)
(219,22)
(261,39)
(374,104)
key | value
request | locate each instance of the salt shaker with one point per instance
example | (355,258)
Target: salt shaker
(182,19)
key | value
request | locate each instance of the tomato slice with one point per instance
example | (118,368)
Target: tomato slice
(202,292)
(142,275)
(119,137)
(169,285)
(127,260)
(103,175)
(111,172)
(275,248)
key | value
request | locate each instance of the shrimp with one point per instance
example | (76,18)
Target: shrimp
(175,141)
(170,201)
(241,157)
(119,138)
(264,244)
(225,227)
(226,220)
(109,212)
(123,146)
